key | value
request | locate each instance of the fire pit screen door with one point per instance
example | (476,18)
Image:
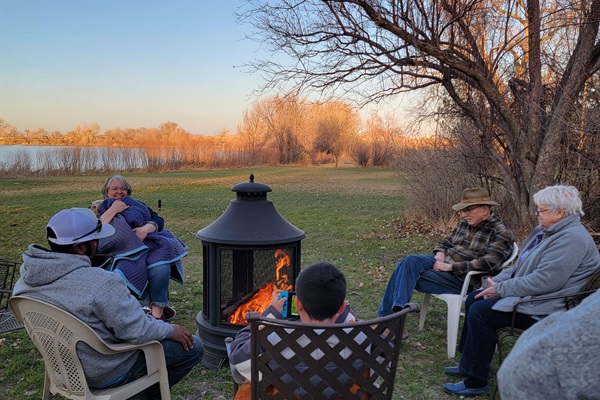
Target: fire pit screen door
(248,252)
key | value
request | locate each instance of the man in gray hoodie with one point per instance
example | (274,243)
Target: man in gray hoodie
(64,277)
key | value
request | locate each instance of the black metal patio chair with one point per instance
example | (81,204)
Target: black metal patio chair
(8,269)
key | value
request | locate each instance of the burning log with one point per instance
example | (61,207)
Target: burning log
(257,303)
(258,300)
(226,313)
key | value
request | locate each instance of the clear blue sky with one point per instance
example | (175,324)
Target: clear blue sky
(124,64)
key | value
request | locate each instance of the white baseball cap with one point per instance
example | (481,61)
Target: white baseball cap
(77,225)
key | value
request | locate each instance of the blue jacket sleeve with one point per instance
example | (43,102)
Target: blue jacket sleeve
(157,219)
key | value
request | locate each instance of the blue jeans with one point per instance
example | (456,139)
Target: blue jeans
(478,338)
(415,271)
(179,363)
(157,291)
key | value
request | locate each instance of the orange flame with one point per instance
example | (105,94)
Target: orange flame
(283,260)
(261,300)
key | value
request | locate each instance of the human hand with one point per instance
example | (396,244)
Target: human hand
(118,206)
(490,292)
(183,336)
(276,301)
(115,208)
(442,266)
(440,256)
(142,231)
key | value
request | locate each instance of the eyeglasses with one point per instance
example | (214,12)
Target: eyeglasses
(98,228)
(469,209)
(538,212)
(118,188)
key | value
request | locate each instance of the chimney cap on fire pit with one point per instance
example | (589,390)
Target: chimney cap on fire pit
(250,219)
(251,188)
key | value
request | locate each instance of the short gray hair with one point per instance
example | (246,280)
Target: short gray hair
(560,197)
(112,178)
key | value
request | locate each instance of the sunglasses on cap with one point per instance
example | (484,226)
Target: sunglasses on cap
(98,228)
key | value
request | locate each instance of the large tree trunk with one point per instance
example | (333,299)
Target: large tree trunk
(514,69)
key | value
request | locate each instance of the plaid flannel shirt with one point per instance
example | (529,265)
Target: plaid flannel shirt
(483,247)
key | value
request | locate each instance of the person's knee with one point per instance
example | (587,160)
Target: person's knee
(185,361)
(176,354)
(407,261)
(470,300)
(416,263)
(160,272)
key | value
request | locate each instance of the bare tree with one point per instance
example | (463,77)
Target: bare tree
(360,153)
(283,116)
(83,134)
(383,134)
(337,127)
(170,134)
(115,137)
(253,134)
(7,131)
(516,69)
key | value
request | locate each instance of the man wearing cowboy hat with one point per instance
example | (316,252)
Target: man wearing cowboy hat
(64,277)
(479,242)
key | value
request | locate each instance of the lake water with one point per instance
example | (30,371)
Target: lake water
(70,158)
(9,151)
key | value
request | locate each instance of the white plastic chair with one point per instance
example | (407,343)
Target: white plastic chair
(455,302)
(56,333)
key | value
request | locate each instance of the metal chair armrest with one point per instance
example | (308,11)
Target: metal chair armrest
(544,298)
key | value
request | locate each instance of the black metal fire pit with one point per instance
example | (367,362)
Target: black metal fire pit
(248,248)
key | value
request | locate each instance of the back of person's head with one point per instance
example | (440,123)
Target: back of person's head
(75,225)
(109,182)
(560,197)
(321,288)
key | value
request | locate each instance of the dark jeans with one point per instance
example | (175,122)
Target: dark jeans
(179,363)
(478,337)
(415,271)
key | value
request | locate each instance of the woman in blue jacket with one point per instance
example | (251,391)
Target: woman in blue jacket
(147,255)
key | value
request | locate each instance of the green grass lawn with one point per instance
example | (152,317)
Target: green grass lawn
(348,215)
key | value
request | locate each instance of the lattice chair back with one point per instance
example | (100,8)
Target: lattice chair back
(56,334)
(8,268)
(327,361)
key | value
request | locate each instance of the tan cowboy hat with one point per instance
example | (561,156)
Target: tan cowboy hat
(473,197)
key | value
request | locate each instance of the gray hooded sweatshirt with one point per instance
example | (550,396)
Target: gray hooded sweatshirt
(97,297)
(557,358)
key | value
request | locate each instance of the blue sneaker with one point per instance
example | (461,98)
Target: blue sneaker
(460,389)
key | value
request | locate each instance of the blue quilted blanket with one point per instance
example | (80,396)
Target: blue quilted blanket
(133,257)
